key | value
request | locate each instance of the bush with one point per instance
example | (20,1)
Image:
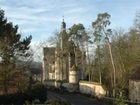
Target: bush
(120,99)
(57,102)
(16,99)
(38,91)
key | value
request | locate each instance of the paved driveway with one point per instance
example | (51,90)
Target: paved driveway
(75,98)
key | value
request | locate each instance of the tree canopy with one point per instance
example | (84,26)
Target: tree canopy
(12,48)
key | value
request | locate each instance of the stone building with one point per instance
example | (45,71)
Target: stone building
(65,63)
(59,60)
(134,86)
(49,59)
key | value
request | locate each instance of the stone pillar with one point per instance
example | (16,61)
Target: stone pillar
(73,77)
(43,72)
(58,74)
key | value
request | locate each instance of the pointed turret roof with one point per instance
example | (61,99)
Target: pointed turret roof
(63,25)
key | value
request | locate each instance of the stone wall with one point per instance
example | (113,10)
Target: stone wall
(68,86)
(91,88)
(134,90)
(51,76)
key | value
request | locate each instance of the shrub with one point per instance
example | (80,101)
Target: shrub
(120,99)
(57,102)
(37,92)
(16,99)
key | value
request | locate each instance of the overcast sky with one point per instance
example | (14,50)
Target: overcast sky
(41,18)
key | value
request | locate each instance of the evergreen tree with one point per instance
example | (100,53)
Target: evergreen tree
(12,48)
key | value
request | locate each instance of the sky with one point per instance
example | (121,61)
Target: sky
(42,18)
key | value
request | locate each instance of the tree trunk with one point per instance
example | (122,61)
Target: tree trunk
(5,82)
(83,64)
(75,56)
(88,68)
(99,64)
(114,70)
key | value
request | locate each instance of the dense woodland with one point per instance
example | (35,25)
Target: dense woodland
(117,53)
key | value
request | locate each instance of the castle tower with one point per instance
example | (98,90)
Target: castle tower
(62,34)
(60,66)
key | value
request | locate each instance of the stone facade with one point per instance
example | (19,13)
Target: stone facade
(134,90)
(49,59)
(58,64)
(134,86)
